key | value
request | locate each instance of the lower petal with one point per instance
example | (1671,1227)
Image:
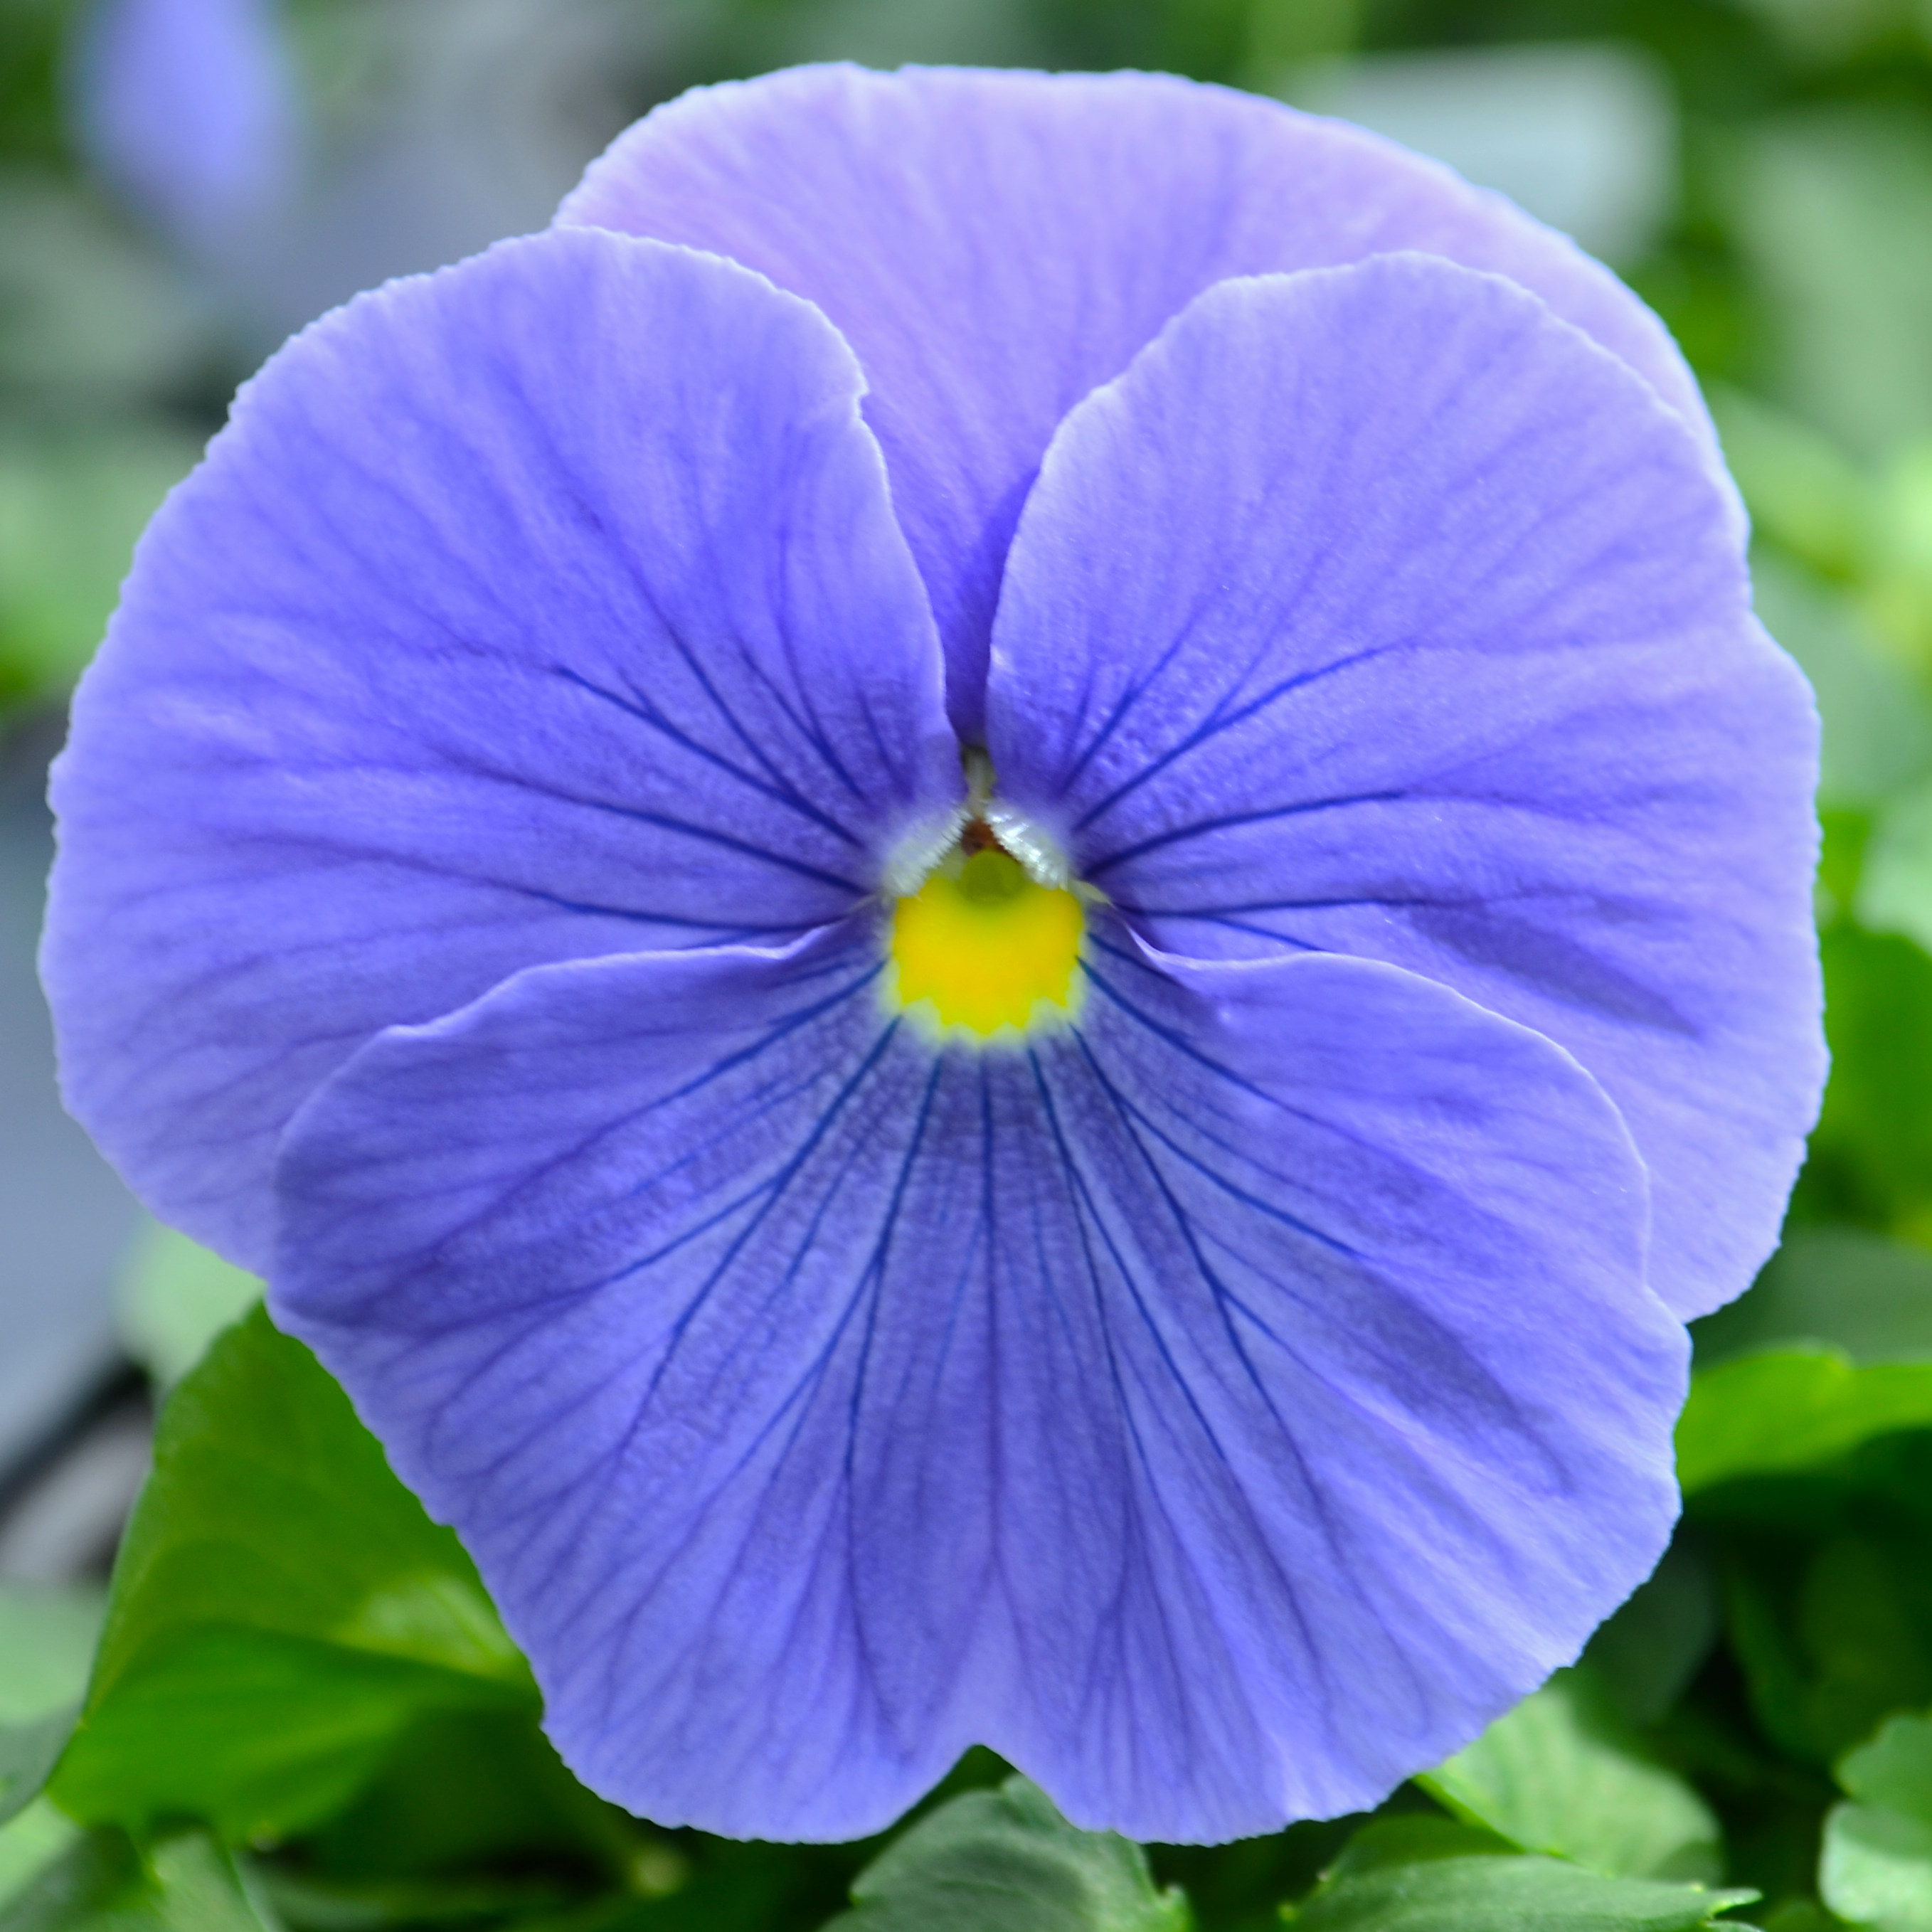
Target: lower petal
(1221,1406)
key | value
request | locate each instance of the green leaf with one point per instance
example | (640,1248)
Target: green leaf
(1894,1770)
(1559,1774)
(1506,1894)
(1790,1410)
(1876,1868)
(281,1612)
(1836,1288)
(175,1297)
(1408,1837)
(185,1883)
(1005,1861)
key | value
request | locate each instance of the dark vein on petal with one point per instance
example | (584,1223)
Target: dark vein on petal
(646,714)
(1202,828)
(1218,722)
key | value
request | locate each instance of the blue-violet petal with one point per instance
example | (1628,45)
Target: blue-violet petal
(550,605)
(1221,1406)
(1378,611)
(993,245)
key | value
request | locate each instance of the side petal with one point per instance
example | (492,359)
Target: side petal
(1435,647)
(1222,1407)
(547,606)
(995,245)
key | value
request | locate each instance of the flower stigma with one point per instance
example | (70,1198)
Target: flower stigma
(988,942)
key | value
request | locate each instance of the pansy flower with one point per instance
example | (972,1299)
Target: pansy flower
(990,905)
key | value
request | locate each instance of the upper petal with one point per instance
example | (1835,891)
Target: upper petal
(1376,610)
(1222,1407)
(549,605)
(995,245)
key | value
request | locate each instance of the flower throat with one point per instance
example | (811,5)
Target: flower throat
(983,945)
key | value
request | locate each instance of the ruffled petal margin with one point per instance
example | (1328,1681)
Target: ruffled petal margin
(1221,1406)
(548,606)
(1378,611)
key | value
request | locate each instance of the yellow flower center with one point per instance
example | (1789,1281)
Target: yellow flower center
(986,946)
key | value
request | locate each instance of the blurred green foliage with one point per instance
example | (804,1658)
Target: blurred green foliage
(303,1713)
(273,1562)
(1563,1773)
(1877,1865)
